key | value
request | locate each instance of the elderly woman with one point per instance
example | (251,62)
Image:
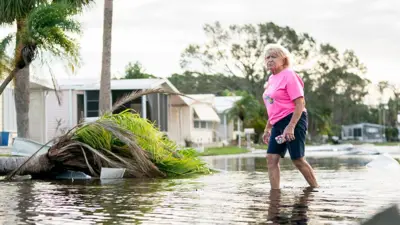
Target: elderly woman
(287,116)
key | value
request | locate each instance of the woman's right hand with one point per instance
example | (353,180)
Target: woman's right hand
(266,136)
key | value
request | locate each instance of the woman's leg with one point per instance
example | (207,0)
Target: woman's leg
(297,151)
(275,152)
(274,170)
(307,171)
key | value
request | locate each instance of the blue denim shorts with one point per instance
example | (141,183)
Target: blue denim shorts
(297,146)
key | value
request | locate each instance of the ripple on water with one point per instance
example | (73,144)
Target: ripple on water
(240,195)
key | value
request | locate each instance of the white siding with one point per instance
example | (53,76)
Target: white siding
(57,115)
(179,125)
(228,129)
(202,136)
(174,131)
(9,116)
(187,122)
(37,116)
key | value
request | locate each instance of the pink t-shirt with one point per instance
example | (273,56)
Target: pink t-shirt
(279,95)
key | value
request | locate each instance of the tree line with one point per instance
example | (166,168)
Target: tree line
(231,63)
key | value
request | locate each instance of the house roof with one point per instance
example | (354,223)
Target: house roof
(199,98)
(191,99)
(37,83)
(125,84)
(40,83)
(223,103)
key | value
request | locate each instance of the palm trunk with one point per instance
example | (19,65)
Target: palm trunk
(21,96)
(38,166)
(22,92)
(8,80)
(105,84)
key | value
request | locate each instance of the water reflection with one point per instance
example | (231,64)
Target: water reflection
(295,213)
(260,163)
(119,202)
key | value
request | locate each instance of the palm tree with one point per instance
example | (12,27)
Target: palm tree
(251,112)
(105,83)
(41,26)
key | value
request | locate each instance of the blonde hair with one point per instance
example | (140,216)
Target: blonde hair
(281,52)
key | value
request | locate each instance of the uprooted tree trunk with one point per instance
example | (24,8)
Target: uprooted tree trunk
(71,157)
(47,165)
(37,166)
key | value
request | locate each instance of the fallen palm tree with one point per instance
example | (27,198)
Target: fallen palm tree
(123,140)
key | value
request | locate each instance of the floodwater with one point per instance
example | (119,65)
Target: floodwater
(238,195)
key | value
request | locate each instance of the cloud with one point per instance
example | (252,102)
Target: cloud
(384,6)
(328,15)
(155,32)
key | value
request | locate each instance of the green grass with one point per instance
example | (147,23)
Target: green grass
(387,144)
(373,143)
(223,151)
(260,146)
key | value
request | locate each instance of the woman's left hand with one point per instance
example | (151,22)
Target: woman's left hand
(288,133)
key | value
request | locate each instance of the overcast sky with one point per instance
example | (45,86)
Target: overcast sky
(155,32)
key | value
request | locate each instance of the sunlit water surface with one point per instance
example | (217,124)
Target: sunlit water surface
(238,195)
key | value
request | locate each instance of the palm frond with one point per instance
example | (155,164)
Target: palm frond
(100,138)
(5,60)
(137,154)
(5,42)
(48,26)
(129,141)
(76,4)
(11,10)
(57,91)
(137,94)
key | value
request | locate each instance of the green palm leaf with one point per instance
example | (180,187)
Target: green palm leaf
(48,26)
(161,151)
(5,60)
(11,10)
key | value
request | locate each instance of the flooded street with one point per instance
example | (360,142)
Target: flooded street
(238,195)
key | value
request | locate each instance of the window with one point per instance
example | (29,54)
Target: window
(92,103)
(357,132)
(202,124)
(80,107)
(372,130)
